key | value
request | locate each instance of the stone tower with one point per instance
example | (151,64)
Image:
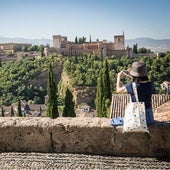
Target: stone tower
(119,42)
(58,40)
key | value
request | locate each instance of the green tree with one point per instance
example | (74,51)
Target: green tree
(99,96)
(33,48)
(104,94)
(0,63)
(161,54)
(24,48)
(68,110)
(2,112)
(80,40)
(76,59)
(12,111)
(76,41)
(83,39)
(135,48)
(107,95)
(142,50)
(52,107)
(41,50)
(19,108)
(106,81)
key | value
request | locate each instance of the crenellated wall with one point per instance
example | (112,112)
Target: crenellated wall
(81,135)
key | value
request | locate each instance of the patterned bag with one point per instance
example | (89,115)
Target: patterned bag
(135,117)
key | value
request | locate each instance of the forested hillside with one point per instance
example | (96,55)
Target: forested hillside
(85,71)
(17,77)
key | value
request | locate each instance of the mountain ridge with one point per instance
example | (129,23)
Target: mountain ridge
(148,42)
(43,41)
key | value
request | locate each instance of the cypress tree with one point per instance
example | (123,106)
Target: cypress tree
(12,111)
(40,109)
(52,108)
(76,40)
(135,48)
(2,112)
(41,49)
(76,59)
(19,109)
(0,63)
(106,81)
(99,95)
(68,110)
(104,95)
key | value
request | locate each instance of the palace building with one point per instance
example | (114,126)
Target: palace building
(13,47)
(62,46)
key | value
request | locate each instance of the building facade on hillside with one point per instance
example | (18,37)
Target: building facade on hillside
(103,48)
(13,47)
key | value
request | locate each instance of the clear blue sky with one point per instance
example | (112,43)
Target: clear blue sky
(101,19)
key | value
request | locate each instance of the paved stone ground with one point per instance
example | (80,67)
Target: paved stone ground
(40,161)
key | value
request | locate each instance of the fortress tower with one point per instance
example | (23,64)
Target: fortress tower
(58,40)
(119,42)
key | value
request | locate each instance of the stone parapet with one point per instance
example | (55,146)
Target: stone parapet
(81,135)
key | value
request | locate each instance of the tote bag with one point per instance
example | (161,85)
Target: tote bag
(135,117)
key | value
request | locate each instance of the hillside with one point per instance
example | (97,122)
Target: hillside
(41,79)
(26,79)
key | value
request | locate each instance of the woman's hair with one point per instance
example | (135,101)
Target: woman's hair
(138,79)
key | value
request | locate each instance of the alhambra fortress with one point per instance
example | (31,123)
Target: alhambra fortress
(62,46)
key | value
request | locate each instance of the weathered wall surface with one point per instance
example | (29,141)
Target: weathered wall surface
(81,135)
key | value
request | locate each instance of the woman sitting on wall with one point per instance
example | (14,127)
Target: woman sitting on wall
(138,73)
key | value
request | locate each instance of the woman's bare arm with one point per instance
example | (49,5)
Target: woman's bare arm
(120,88)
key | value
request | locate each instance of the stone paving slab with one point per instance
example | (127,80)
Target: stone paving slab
(44,161)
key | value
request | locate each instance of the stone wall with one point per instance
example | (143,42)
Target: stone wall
(81,135)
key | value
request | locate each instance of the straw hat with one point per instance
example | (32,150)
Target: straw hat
(138,69)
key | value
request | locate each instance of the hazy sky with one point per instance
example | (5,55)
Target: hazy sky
(101,19)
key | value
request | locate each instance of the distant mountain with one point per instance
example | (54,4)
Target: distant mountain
(154,44)
(43,41)
(148,42)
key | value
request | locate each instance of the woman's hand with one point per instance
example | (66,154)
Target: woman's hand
(120,74)
(119,86)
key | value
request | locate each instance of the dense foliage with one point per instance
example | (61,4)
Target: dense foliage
(82,70)
(15,78)
(86,71)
